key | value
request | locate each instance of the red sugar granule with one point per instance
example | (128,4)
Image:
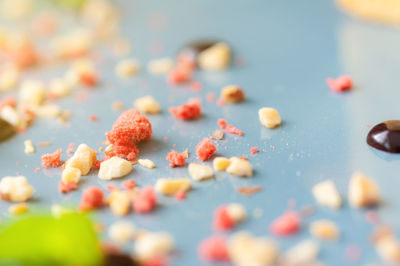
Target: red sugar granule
(205,149)
(129,152)
(130,127)
(71,148)
(179,75)
(175,159)
(196,86)
(145,200)
(111,187)
(222,123)
(37,169)
(253,150)
(286,224)
(129,184)
(88,79)
(187,111)
(233,130)
(213,249)
(52,160)
(92,198)
(222,220)
(96,164)
(93,118)
(67,187)
(180,195)
(155,261)
(341,84)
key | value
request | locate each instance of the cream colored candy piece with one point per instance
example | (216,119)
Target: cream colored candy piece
(324,229)
(18,208)
(48,110)
(58,210)
(147,105)
(150,245)
(114,168)
(160,66)
(236,212)
(122,232)
(326,194)
(9,114)
(269,117)
(32,92)
(29,149)
(232,94)
(15,188)
(200,172)
(363,192)
(120,201)
(388,247)
(240,167)
(147,163)
(245,249)
(127,68)
(79,67)
(215,58)
(9,78)
(16,9)
(82,159)
(59,87)
(304,253)
(221,163)
(71,175)
(76,42)
(172,186)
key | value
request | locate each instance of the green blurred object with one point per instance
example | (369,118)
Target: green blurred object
(46,240)
(74,4)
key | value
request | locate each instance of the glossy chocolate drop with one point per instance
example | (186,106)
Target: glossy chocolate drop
(196,47)
(6,130)
(119,260)
(385,136)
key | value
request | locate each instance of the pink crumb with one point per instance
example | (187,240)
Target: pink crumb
(129,184)
(88,79)
(214,249)
(165,139)
(145,200)
(93,118)
(188,111)
(180,195)
(67,187)
(287,224)
(205,149)
(37,169)
(17,163)
(96,164)
(8,101)
(92,198)
(196,86)
(372,217)
(353,252)
(220,102)
(341,84)
(233,130)
(179,75)
(222,123)
(222,220)
(175,158)
(71,148)
(155,261)
(254,150)
(112,187)
(52,160)
(210,97)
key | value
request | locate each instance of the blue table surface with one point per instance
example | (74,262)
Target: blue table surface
(291,47)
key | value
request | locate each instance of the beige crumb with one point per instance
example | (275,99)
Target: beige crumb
(29,148)
(147,105)
(326,194)
(127,68)
(48,110)
(59,87)
(325,230)
(44,144)
(117,106)
(232,94)
(160,66)
(120,201)
(388,247)
(32,92)
(15,188)
(64,116)
(122,232)
(218,134)
(185,153)
(71,175)
(304,253)
(200,172)
(114,168)
(221,163)
(152,244)
(215,58)
(9,78)
(11,115)
(269,117)
(240,167)
(244,249)
(236,212)
(363,192)
(82,159)
(147,163)
(19,208)
(172,186)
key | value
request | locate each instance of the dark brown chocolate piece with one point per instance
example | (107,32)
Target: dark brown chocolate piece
(119,260)
(6,130)
(385,136)
(196,47)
